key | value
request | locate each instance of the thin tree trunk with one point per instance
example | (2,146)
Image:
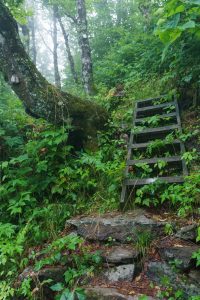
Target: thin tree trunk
(55,48)
(33,49)
(83,39)
(69,54)
(39,97)
(26,34)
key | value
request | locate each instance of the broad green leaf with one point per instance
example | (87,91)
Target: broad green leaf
(188,25)
(4,164)
(159,11)
(20,158)
(169,36)
(172,22)
(161,21)
(177,10)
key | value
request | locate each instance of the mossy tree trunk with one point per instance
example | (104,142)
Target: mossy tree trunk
(40,97)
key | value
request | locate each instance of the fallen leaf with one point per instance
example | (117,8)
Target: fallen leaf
(131,293)
(138,278)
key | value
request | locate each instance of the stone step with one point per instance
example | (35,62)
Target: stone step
(106,293)
(117,227)
(182,254)
(157,270)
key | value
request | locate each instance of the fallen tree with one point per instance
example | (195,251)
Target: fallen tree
(40,98)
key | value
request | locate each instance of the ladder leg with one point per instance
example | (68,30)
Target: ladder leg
(123,197)
(184,166)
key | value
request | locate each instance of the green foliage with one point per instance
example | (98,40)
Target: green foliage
(43,182)
(196,255)
(53,251)
(178,17)
(82,265)
(169,229)
(190,156)
(143,241)
(183,197)
(178,29)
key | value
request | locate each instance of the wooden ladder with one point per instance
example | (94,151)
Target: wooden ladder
(139,141)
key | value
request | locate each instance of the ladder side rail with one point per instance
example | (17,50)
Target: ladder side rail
(124,187)
(185,169)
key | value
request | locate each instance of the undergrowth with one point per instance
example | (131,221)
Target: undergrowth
(45,181)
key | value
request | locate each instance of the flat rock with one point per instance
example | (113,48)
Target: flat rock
(156,271)
(120,255)
(101,293)
(120,273)
(188,233)
(194,275)
(119,228)
(181,256)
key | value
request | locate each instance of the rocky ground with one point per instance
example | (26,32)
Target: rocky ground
(142,254)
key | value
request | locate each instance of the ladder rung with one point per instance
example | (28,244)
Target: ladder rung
(141,120)
(150,99)
(145,145)
(137,182)
(154,160)
(158,129)
(155,107)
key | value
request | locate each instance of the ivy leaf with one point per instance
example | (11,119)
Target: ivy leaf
(57,287)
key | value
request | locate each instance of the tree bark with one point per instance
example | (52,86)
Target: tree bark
(69,54)
(83,39)
(55,48)
(40,97)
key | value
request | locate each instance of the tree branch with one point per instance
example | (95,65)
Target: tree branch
(74,19)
